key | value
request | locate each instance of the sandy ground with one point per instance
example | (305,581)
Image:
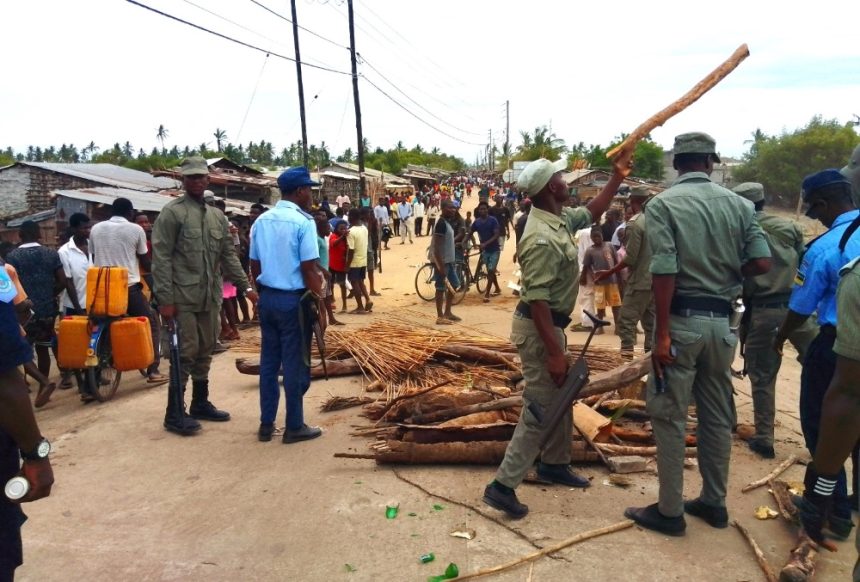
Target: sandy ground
(132,501)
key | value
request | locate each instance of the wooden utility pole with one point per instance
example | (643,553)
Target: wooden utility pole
(301,86)
(507,135)
(361,181)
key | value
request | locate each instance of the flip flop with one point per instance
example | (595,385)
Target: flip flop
(443,321)
(358,311)
(157,379)
(44,395)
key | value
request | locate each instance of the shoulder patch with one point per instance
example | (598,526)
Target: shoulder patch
(541,241)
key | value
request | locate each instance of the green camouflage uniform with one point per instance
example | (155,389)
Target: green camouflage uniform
(766,297)
(190,247)
(548,258)
(638,301)
(701,234)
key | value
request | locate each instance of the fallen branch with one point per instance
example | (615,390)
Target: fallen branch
(617,378)
(440,415)
(552,549)
(615,450)
(688,99)
(759,555)
(780,469)
(410,395)
(779,490)
(479,355)
(347,367)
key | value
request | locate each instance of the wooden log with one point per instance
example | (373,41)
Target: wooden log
(685,101)
(346,367)
(780,469)
(801,566)
(457,453)
(759,555)
(613,450)
(617,378)
(502,431)
(441,415)
(550,550)
(787,509)
(479,355)
(384,411)
(592,425)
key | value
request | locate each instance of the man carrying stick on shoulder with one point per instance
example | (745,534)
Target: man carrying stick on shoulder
(550,268)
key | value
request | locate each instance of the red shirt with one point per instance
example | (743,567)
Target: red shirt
(337,253)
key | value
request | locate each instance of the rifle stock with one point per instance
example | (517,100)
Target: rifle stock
(577,378)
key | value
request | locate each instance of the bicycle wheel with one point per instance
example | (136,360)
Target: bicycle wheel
(425,285)
(103,379)
(481,279)
(465,281)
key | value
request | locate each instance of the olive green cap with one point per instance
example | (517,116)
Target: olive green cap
(752,191)
(194,166)
(695,142)
(640,192)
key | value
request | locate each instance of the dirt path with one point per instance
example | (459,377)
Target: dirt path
(134,502)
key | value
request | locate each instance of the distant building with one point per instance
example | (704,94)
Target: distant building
(722,174)
(236,181)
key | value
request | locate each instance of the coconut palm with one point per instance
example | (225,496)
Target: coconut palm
(161,135)
(220,136)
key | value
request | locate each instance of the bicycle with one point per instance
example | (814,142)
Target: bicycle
(101,379)
(425,282)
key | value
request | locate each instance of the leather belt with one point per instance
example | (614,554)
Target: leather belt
(704,306)
(558,319)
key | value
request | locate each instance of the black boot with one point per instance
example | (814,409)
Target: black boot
(175,419)
(201,408)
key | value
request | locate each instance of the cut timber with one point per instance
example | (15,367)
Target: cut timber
(779,490)
(688,99)
(479,355)
(489,417)
(473,453)
(440,415)
(621,376)
(347,367)
(801,565)
(550,550)
(500,431)
(614,450)
(780,469)
(759,555)
(591,424)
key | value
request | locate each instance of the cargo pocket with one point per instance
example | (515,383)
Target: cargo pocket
(216,236)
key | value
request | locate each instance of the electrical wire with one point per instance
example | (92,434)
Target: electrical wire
(234,40)
(308,30)
(253,94)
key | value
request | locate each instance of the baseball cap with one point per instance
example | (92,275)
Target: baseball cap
(537,174)
(752,191)
(640,192)
(194,166)
(293,178)
(815,182)
(696,142)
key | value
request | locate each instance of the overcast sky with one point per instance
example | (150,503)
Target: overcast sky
(110,71)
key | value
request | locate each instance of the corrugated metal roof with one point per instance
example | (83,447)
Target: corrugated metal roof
(110,175)
(340,175)
(37,217)
(143,201)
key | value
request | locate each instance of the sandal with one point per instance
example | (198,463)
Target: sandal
(157,379)
(443,321)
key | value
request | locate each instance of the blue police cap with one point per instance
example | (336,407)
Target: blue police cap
(294,178)
(820,180)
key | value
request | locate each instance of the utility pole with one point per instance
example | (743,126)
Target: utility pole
(301,86)
(507,135)
(490,154)
(361,182)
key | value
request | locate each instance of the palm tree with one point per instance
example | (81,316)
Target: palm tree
(161,135)
(540,144)
(127,149)
(220,135)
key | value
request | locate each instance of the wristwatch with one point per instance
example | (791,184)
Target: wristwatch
(39,453)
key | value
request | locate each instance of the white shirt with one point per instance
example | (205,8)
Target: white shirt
(433,212)
(418,207)
(117,243)
(75,265)
(616,240)
(381,214)
(341,199)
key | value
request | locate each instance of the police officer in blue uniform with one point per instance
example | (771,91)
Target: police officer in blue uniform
(829,198)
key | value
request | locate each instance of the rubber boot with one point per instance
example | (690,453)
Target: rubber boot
(175,419)
(201,408)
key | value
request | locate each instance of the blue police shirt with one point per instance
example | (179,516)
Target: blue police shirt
(818,274)
(281,240)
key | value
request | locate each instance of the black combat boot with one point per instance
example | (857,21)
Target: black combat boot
(175,419)
(201,408)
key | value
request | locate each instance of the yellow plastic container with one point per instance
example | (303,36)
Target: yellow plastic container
(107,291)
(131,344)
(73,342)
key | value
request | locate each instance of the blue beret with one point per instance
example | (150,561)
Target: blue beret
(820,180)
(294,178)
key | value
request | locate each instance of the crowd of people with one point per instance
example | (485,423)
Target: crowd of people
(678,263)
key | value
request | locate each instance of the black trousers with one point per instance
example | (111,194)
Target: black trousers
(138,306)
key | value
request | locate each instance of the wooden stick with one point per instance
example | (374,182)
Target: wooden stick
(439,415)
(618,377)
(759,555)
(614,450)
(688,99)
(801,565)
(552,549)
(779,490)
(410,395)
(780,469)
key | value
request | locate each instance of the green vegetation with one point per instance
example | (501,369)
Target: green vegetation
(781,162)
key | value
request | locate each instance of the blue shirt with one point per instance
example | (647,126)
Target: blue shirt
(818,274)
(404,211)
(281,240)
(486,227)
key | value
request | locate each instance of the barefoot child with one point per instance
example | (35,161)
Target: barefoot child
(323,232)
(601,257)
(337,260)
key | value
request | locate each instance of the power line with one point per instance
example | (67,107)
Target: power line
(427,123)
(308,30)
(234,40)
(253,95)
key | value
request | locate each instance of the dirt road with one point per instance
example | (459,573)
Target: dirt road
(134,502)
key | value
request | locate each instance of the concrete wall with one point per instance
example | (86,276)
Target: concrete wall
(14,184)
